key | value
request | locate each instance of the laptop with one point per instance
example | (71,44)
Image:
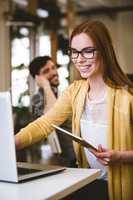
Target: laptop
(10,170)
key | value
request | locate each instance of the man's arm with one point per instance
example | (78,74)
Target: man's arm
(50,98)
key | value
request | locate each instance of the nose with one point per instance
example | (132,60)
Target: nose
(53,72)
(80,58)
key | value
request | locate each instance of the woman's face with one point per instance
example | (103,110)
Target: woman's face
(85,56)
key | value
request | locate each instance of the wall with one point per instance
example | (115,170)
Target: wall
(121,30)
(5,69)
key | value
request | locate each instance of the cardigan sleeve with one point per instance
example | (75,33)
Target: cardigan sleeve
(40,128)
(132,111)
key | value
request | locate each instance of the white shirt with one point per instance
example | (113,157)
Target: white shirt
(94,130)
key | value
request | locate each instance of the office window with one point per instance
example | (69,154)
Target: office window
(19,61)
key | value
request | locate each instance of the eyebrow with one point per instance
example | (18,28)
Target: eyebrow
(91,48)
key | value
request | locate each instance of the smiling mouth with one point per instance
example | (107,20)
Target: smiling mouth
(85,69)
(54,77)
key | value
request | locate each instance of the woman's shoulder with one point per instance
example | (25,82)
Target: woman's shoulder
(78,83)
(126,92)
(123,93)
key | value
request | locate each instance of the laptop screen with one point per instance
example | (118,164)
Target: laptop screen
(7,145)
(8,164)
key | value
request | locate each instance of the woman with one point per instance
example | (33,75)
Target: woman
(101,103)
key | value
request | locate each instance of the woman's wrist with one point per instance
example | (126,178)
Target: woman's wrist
(119,156)
(125,156)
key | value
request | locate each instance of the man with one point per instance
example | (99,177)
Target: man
(44,71)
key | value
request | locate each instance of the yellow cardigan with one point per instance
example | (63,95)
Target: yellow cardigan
(120,131)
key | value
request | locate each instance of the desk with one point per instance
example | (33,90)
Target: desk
(52,187)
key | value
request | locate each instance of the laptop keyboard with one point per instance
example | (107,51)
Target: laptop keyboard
(23,171)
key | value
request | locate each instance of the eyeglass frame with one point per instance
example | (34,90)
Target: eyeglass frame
(93,49)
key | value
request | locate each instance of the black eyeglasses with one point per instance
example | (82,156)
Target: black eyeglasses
(87,52)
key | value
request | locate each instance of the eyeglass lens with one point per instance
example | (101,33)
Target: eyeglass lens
(86,52)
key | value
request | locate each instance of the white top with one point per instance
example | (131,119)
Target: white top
(52,187)
(94,130)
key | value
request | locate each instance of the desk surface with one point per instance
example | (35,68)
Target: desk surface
(52,187)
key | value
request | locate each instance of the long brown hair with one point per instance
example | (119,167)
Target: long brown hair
(112,73)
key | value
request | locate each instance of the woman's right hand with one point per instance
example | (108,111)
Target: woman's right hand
(108,157)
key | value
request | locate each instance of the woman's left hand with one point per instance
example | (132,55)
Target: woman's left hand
(107,157)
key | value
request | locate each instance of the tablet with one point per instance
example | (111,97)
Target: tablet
(76,138)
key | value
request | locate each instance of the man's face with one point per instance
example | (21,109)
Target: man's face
(50,72)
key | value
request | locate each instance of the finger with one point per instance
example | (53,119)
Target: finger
(104,149)
(107,159)
(103,162)
(100,148)
(103,155)
(93,151)
(36,77)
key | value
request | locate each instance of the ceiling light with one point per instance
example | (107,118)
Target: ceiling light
(42,13)
(21,2)
(24,31)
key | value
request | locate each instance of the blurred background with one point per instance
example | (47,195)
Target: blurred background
(30,28)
